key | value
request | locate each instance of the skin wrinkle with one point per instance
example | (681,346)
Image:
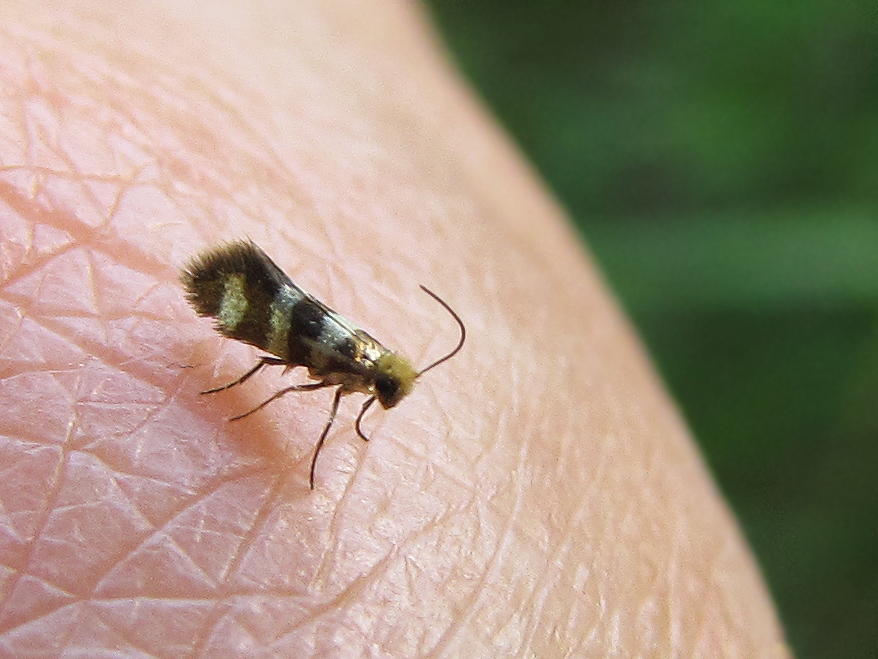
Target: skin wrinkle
(159,529)
(490,496)
(111,562)
(256,525)
(325,568)
(471,604)
(26,557)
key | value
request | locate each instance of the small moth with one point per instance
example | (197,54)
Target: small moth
(254,301)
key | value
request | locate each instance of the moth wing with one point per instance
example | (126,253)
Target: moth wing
(254,301)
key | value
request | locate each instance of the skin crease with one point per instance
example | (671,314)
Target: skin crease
(536,496)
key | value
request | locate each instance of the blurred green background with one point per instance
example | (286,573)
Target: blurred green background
(722,161)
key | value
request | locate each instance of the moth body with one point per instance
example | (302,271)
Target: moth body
(252,300)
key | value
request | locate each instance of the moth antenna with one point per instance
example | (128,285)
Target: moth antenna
(459,324)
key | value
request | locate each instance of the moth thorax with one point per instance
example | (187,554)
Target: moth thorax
(394,379)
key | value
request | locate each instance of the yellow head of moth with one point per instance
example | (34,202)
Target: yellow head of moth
(394,380)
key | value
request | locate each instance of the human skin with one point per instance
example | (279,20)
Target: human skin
(535,496)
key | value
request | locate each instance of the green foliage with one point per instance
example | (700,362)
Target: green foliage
(722,161)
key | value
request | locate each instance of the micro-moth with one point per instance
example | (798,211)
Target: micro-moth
(252,300)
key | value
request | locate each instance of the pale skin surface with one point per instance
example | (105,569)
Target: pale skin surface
(537,496)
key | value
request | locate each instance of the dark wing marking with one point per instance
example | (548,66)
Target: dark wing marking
(240,286)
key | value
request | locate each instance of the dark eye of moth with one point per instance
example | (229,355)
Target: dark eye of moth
(387,387)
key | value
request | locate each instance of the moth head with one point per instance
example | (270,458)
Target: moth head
(394,379)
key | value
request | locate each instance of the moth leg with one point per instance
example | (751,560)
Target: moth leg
(363,409)
(283,392)
(335,401)
(264,361)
